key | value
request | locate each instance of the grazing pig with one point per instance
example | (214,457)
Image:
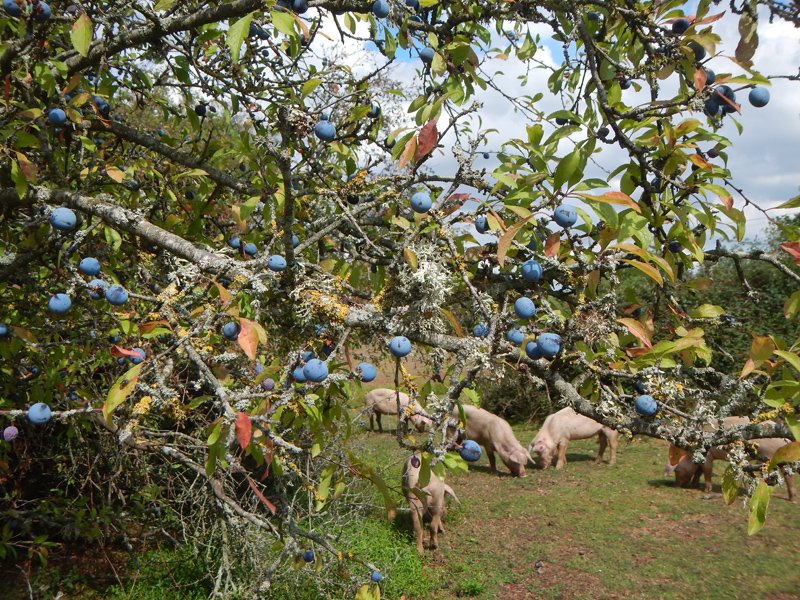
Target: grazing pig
(383,401)
(565,425)
(428,501)
(495,435)
(680,461)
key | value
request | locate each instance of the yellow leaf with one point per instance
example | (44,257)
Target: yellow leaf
(638,330)
(505,240)
(618,198)
(648,270)
(121,389)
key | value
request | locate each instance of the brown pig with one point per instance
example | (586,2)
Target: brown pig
(495,435)
(565,425)
(428,501)
(680,461)
(383,401)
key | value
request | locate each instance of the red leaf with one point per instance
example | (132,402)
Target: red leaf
(244,429)
(793,248)
(700,78)
(727,201)
(408,152)
(426,140)
(261,496)
(248,338)
(120,351)
(552,244)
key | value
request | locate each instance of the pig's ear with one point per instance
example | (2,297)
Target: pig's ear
(676,455)
(520,457)
(539,447)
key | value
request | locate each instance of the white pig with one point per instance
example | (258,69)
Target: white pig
(383,401)
(565,425)
(495,435)
(428,501)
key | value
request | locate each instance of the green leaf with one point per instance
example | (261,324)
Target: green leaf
(707,311)
(121,389)
(566,167)
(786,454)
(794,425)
(164,5)
(237,33)
(791,203)
(790,357)
(284,22)
(81,34)
(309,86)
(758,508)
(730,487)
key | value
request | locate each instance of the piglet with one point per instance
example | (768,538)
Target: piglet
(428,501)
(680,462)
(565,425)
(383,401)
(495,435)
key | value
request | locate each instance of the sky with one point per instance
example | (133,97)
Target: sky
(764,159)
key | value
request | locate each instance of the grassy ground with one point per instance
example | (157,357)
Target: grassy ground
(587,531)
(597,531)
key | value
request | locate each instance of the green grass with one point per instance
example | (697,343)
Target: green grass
(594,531)
(587,531)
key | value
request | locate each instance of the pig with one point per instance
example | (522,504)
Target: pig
(383,401)
(428,501)
(686,472)
(565,425)
(495,435)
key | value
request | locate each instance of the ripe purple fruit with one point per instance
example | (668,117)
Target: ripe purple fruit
(515,336)
(276,263)
(531,271)
(56,117)
(380,8)
(759,97)
(421,202)
(315,370)
(426,55)
(138,359)
(680,25)
(532,350)
(63,219)
(325,130)
(97,289)
(231,330)
(480,330)
(367,371)
(117,295)
(59,304)
(549,344)
(12,8)
(10,433)
(565,215)
(39,413)
(400,346)
(89,266)
(482,224)
(646,405)
(524,308)
(470,451)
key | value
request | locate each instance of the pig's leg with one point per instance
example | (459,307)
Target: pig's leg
(601,447)
(372,421)
(436,522)
(490,456)
(788,479)
(708,472)
(696,477)
(562,453)
(416,520)
(378,419)
(611,436)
